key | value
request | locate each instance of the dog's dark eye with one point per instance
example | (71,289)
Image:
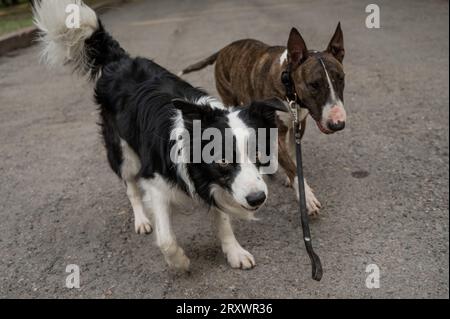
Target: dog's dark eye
(314,86)
(339,77)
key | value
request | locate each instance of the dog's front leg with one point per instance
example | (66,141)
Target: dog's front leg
(237,256)
(287,153)
(156,197)
(312,203)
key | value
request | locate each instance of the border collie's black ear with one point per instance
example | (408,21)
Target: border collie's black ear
(336,45)
(270,105)
(297,50)
(190,109)
(267,109)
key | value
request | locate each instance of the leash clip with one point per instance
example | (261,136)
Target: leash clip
(295,120)
(293,107)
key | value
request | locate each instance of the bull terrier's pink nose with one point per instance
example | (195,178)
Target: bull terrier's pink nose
(337,113)
(336,118)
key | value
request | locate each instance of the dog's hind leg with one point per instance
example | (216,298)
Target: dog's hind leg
(142,224)
(157,198)
(128,170)
(237,256)
(224,89)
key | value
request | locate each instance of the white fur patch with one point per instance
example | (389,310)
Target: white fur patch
(330,85)
(211,101)
(283,57)
(181,165)
(334,109)
(60,44)
(227,204)
(248,180)
(158,196)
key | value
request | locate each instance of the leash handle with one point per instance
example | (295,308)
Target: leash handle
(316,264)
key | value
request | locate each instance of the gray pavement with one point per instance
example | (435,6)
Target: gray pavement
(60,203)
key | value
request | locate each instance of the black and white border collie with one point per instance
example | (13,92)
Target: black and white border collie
(141,104)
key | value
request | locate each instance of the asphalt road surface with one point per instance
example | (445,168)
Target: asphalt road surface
(383,182)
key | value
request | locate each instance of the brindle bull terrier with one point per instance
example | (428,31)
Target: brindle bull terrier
(248,70)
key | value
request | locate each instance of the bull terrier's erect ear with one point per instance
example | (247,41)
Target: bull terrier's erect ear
(336,46)
(271,105)
(297,51)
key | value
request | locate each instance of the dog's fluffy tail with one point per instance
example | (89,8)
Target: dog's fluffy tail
(200,65)
(78,40)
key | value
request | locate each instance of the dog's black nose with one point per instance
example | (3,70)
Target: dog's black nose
(256,199)
(340,125)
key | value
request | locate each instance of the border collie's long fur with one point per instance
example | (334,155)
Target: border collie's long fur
(141,104)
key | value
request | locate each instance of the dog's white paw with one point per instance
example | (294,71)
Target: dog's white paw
(239,258)
(177,259)
(143,226)
(312,203)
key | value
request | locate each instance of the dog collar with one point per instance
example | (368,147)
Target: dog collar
(286,79)
(291,94)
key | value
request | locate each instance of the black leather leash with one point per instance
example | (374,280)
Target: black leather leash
(293,101)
